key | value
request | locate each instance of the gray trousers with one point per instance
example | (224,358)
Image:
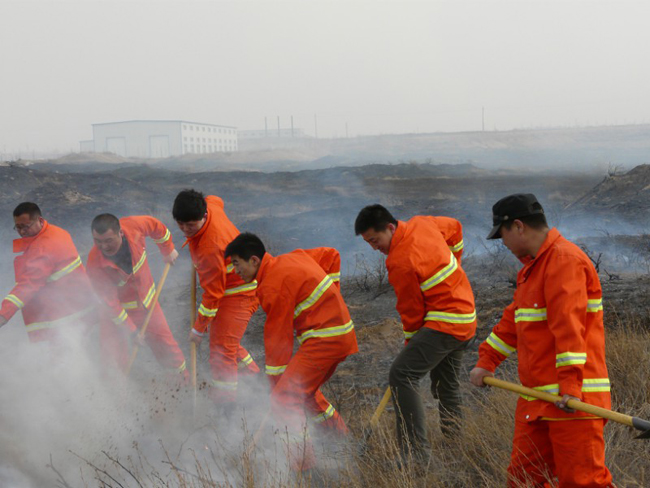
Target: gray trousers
(439,355)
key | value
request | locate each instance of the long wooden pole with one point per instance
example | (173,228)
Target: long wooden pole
(192,344)
(159,288)
(635,422)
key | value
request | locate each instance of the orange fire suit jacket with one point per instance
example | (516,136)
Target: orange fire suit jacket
(432,289)
(329,259)
(555,324)
(216,275)
(300,299)
(121,291)
(51,283)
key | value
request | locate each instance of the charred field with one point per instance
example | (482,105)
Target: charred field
(78,429)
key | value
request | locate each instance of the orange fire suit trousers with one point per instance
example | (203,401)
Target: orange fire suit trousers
(115,345)
(571,450)
(296,397)
(228,358)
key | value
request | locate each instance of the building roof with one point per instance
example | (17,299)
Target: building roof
(166,121)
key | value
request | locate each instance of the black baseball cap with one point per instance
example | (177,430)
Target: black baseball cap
(513,207)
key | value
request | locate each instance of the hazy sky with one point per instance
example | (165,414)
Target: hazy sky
(380,67)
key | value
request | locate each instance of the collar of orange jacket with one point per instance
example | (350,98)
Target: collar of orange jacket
(398,235)
(201,231)
(267,260)
(552,236)
(21,245)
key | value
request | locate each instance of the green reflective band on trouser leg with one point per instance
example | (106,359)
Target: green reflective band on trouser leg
(322,417)
(164,238)
(595,385)
(570,358)
(595,305)
(457,247)
(242,288)
(326,332)
(245,362)
(121,318)
(140,263)
(530,314)
(451,318)
(275,370)
(314,296)
(553,389)
(502,347)
(441,275)
(150,294)
(15,300)
(66,270)
(207,312)
(225,385)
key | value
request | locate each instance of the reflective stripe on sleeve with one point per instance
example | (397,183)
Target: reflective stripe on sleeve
(314,296)
(451,318)
(337,330)
(150,294)
(322,417)
(121,318)
(457,247)
(141,262)
(66,270)
(207,312)
(164,238)
(595,305)
(569,358)
(129,305)
(52,324)
(441,275)
(595,385)
(497,343)
(244,362)
(241,288)
(230,268)
(335,276)
(275,370)
(225,385)
(409,334)
(554,389)
(530,314)
(15,300)
(181,368)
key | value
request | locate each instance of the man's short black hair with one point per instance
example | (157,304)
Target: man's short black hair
(189,206)
(27,208)
(105,222)
(374,217)
(246,245)
(537,222)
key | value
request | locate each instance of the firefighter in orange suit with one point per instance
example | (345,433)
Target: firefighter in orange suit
(300,299)
(555,324)
(436,305)
(120,274)
(52,289)
(227,303)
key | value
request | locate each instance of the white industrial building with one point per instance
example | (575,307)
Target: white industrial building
(160,138)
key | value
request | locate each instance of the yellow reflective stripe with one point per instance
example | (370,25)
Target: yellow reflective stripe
(207,312)
(409,334)
(451,318)
(595,305)
(140,263)
(553,389)
(595,385)
(121,283)
(52,324)
(441,275)
(569,358)
(530,314)
(322,417)
(181,368)
(275,370)
(457,247)
(314,296)
(241,288)
(129,305)
(147,300)
(245,361)
(498,344)
(164,238)
(15,300)
(335,276)
(66,270)
(337,330)
(225,385)
(120,318)
(230,268)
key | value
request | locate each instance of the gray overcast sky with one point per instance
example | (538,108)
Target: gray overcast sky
(382,67)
